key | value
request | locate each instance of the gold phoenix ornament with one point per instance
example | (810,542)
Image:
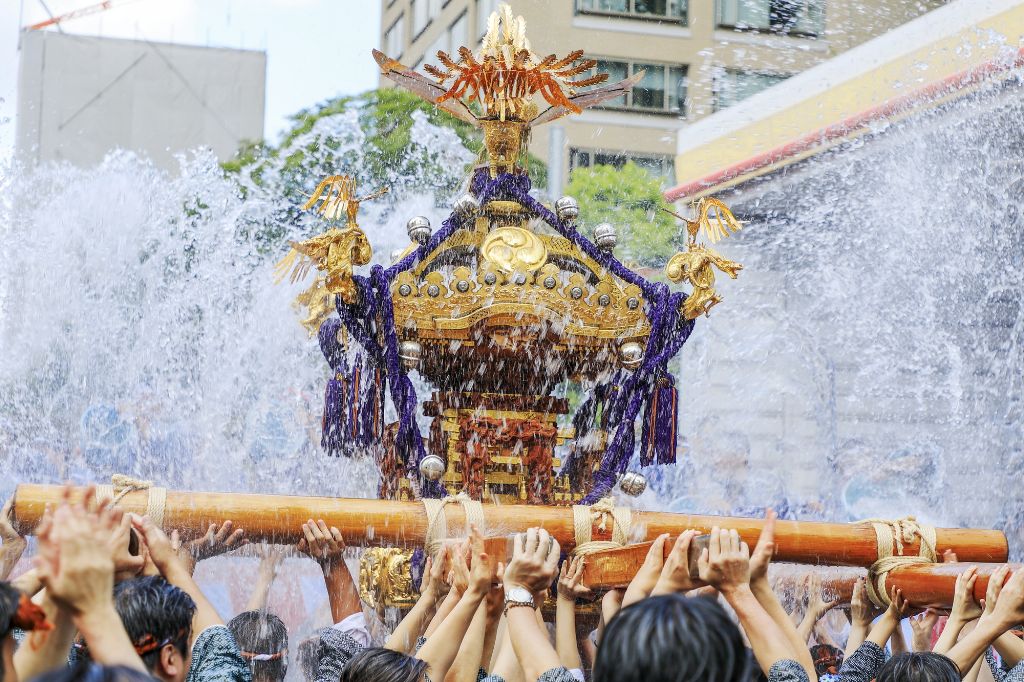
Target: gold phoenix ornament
(696,264)
(334,253)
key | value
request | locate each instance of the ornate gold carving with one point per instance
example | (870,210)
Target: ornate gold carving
(335,252)
(695,265)
(514,249)
(385,578)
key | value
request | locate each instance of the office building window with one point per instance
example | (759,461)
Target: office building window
(394,38)
(661,89)
(420,16)
(660,165)
(670,10)
(796,17)
(732,86)
(458,34)
(484,8)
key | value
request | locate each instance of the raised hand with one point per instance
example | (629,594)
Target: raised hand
(325,545)
(458,556)
(995,586)
(13,543)
(965,608)
(646,578)
(1009,608)
(817,606)
(433,584)
(481,575)
(126,564)
(725,563)
(570,580)
(217,540)
(862,611)
(675,574)
(534,561)
(923,625)
(763,552)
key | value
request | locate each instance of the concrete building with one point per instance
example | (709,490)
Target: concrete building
(82,96)
(699,57)
(868,358)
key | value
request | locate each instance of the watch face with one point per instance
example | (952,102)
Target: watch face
(518,594)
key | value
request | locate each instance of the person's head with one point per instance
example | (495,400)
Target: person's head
(309,657)
(16,611)
(158,619)
(672,638)
(827,658)
(919,666)
(383,665)
(93,672)
(263,641)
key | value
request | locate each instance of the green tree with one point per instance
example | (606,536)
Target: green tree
(629,198)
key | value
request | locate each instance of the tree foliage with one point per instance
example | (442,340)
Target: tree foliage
(629,198)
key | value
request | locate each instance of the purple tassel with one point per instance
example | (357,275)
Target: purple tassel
(661,416)
(333,439)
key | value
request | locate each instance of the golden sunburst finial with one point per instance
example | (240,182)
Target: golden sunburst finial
(505,74)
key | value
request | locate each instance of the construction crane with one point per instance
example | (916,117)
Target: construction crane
(74,14)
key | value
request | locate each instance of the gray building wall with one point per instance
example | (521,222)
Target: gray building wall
(82,96)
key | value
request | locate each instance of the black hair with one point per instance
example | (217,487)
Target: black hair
(383,665)
(154,613)
(259,634)
(93,672)
(919,666)
(672,639)
(308,656)
(10,597)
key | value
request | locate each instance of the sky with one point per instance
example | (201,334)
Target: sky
(316,49)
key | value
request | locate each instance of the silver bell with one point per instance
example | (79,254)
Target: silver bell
(396,255)
(631,354)
(605,236)
(632,483)
(409,353)
(567,209)
(432,468)
(466,205)
(418,229)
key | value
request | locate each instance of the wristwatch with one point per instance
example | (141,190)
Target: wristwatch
(518,596)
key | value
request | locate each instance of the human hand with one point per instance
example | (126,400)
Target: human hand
(646,578)
(965,608)
(13,544)
(432,585)
(74,561)
(862,611)
(995,586)
(458,555)
(764,550)
(1009,607)
(496,596)
(534,561)
(126,564)
(725,563)
(817,606)
(217,540)
(570,580)
(923,625)
(611,603)
(675,574)
(481,575)
(325,545)
(165,552)
(271,557)
(898,606)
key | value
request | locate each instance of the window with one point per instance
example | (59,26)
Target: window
(659,165)
(796,17)
(672,10)
(458,34)
(662,88)
(420,16)
(731,86)
(394,38)
(484,8)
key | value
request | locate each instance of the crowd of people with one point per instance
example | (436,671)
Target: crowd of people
(112,598)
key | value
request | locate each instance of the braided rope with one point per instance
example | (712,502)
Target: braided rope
(893,535)
(121,485)
(583,518)
(437,522)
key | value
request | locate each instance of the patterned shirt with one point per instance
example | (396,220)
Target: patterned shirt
(787,671)
(337,648)
(216,658)
(863,665)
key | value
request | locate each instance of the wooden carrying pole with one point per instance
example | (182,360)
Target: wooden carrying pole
(365,522)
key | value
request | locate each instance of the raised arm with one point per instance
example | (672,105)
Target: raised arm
(963,611)
(327,547)
(270,560)
(570,588)
(725,564)
(817,607)
(861,615)
(1009,647)
(647,577)
(13,544)
(219,539)
(532,568)
(1008,612)
(403,639)
(923,625)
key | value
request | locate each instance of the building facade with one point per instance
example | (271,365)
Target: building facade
(698,57)
(81,96)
